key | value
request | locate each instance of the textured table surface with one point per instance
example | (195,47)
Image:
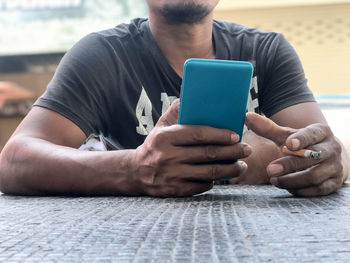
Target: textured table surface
(227,224)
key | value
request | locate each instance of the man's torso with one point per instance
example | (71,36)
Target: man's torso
(129,84)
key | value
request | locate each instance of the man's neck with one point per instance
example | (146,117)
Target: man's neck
(180,42)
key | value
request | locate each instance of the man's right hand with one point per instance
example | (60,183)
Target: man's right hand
(179,160)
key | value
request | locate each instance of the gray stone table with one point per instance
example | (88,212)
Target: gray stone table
(227,224)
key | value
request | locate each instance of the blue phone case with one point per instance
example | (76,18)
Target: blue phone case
(215,93)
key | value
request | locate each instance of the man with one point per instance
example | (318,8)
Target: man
(120,83)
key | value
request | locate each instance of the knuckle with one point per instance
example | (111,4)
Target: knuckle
(324,189)
(321,130)
(316,180)
(333,168)
(148,175)
(163,159)
(314,133)
(332,154)
(331,149)
(314,136)
(329,154)
(214,172)
(159,159)
(303,137)
(337,168)
(330,170)
(337,148)
(339,180)
(312,178)
(161,119)
(340,168)
(326,130)
(198,135)
(327,187)
(291,164)
(159,136)
(211,152)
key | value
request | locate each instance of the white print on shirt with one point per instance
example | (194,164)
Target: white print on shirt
(144,114)
(144,111)
(167,101)
(253,102)
(144,107)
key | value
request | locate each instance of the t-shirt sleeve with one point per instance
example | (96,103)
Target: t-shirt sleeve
(284,84)
(77,88)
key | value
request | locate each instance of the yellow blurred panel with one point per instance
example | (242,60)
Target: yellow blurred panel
(239,4)
(320,33)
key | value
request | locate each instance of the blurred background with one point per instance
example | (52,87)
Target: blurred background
(35,34)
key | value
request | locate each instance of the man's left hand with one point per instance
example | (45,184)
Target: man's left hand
(302,176)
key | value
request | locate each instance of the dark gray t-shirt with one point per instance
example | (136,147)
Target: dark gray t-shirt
(117,82)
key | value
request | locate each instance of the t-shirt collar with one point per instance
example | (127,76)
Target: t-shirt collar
(220,50)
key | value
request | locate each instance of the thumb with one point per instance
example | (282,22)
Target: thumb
(265,127)
(170,116)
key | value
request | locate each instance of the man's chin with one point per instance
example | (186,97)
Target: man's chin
(188,13)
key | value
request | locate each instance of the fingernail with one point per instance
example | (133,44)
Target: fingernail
(274,181)
(247,150)
(274,169)
(295,144)
(234,138)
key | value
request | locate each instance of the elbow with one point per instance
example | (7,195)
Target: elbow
(5,169)
(10,168)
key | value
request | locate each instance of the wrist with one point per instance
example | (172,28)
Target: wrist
(113,174)
(140,174)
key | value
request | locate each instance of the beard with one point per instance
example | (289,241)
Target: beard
(186,13)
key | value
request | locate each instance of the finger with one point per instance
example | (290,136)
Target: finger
(170,116)
(184,135)
(308,136)
(307,178)
(290,164)
(212,172)
(210,153)
(267,128)
(325,188)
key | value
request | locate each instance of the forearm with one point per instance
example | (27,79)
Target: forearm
(30,166)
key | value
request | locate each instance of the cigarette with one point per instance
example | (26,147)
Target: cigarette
(303,153)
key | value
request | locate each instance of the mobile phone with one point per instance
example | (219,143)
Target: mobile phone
(215,93)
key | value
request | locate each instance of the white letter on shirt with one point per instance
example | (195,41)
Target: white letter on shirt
(167,101)
(144,106)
